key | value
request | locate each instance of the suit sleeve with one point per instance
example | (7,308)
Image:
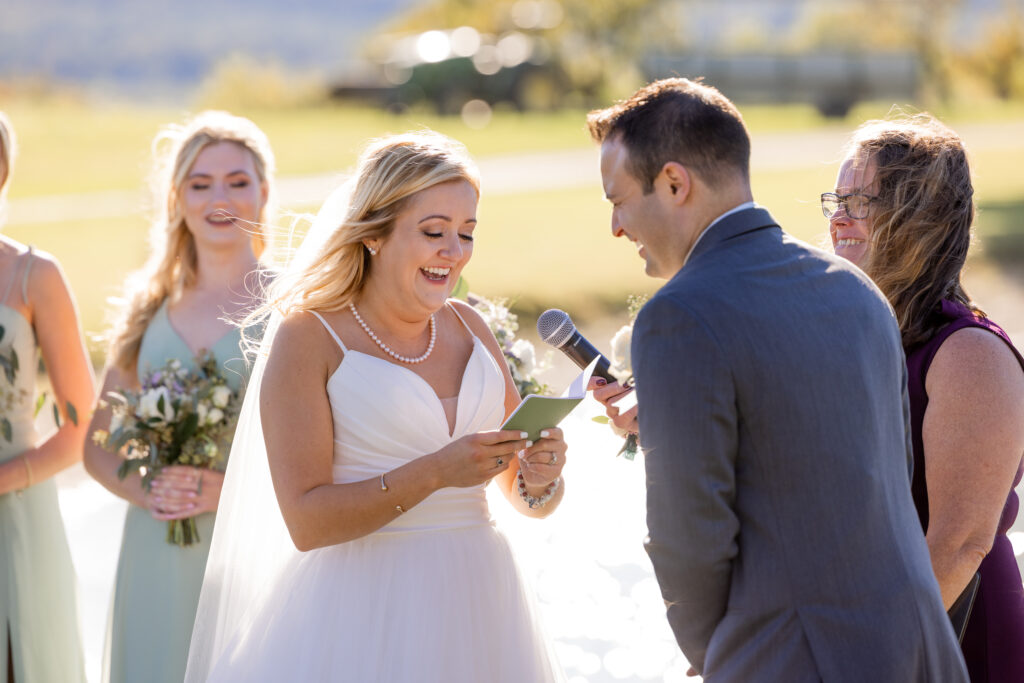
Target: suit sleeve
(908,429)
(688,428)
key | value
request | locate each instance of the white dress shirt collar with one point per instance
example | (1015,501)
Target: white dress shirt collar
(742,207)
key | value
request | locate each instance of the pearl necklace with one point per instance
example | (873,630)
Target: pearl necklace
(387,349)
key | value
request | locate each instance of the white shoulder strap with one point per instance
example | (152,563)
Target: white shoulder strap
(461,319)
(331,330)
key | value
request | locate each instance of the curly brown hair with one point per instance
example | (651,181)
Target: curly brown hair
(921,220)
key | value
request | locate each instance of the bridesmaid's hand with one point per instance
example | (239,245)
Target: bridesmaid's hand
(542,462)
(179,492)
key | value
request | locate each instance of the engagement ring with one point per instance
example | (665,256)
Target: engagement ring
(500,462)
(554,459)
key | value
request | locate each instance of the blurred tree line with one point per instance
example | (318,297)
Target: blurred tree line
(601,44)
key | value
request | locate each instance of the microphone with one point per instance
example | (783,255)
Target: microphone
(556,328)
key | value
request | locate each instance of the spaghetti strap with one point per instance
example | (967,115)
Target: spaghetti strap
(24,277)
(331,330)
(14,278)
(462,320)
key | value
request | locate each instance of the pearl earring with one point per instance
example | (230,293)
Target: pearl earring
(373,252)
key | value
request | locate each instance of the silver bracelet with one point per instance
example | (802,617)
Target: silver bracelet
(540,501)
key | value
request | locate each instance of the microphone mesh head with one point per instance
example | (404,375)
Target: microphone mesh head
(555,327)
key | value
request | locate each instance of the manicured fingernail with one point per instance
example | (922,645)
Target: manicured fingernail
(523,435)
(545,434)
(529,443)
(601,381)
(520,454)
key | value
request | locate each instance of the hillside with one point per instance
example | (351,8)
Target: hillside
(133,44)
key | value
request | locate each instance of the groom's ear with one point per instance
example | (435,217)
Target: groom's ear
(675,181)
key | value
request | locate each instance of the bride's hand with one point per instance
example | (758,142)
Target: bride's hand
(543,462)
(476,458)
(179,492)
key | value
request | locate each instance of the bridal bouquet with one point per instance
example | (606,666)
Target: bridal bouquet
(176,418)
(520,354)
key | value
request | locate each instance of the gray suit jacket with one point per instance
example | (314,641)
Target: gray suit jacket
(773,417)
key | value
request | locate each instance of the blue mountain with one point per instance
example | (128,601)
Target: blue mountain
(135,42)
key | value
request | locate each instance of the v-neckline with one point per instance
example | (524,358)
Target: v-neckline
(181,338)
(439,401)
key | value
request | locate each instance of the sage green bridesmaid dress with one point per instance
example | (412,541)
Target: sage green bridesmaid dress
(156,590)
(38,606)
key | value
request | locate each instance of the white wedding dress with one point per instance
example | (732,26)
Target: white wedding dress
(433,596)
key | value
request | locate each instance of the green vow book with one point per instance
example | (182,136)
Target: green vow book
(537,413)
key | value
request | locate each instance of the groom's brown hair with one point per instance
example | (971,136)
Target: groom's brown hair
(676,119)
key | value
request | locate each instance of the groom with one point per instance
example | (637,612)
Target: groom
(772,401)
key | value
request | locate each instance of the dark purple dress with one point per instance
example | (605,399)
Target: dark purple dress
(993,643)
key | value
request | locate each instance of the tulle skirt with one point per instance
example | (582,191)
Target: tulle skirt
(417,606)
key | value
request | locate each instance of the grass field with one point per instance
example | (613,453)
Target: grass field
(539,249)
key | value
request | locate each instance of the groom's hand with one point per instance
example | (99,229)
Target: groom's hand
(623,422)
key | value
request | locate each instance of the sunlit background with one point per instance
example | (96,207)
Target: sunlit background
(88,84)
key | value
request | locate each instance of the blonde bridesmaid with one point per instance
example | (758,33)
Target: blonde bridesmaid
(203,271)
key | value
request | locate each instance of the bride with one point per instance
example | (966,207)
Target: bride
(373,416)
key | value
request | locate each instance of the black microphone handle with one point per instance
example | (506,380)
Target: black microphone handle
(581,352)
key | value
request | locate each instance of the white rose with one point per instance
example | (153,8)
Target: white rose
(622,367)
(214,416)
(221,396)
(149,404)
(202,411)
(524,351)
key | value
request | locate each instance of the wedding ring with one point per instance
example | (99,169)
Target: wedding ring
(554,459)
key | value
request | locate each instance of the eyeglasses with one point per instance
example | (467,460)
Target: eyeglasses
(855,205)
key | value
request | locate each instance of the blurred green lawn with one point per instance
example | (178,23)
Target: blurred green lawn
(540,249)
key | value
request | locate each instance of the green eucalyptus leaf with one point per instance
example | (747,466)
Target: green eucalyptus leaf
(129,466)
(186,429)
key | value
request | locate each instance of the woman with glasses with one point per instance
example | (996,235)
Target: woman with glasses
(902,210)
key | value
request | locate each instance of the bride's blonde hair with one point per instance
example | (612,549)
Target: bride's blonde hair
(390,171)
(172,264)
